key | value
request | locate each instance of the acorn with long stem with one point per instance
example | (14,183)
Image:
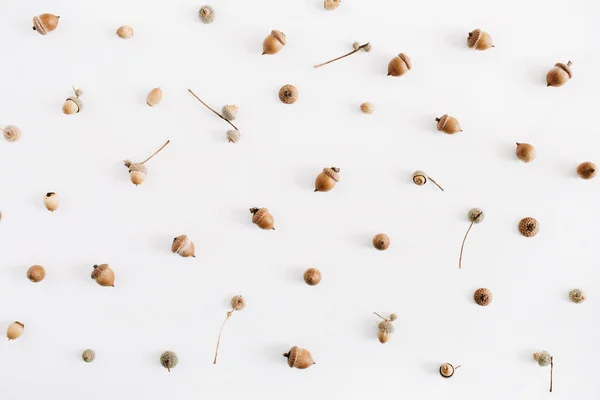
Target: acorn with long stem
(138,171)
(230,136)
(476,216)
(544,359)
(237,304)
(357,47)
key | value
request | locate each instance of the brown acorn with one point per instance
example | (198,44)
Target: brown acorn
(447,370)
(274,42)
(183,246)
(448,124)
(45,23)
(312,276)
(385,328)
(420,178)
(327,179)
(15,330)
(36,273)
(381,241)
(529,227)
(559,74)
(138,171)
(288,94)
(482,296)
(262,218)
(154,97)
(525,152)
(479,40)
(73,104)
(587,170)
(399,65)
(299,358)
(103,275)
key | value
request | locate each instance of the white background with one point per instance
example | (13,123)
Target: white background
(202,186)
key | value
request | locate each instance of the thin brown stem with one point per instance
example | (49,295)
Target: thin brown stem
(156,152)
(551,370)
(458,366)
(229,313)
(463,245)
(436,184)
(169,366)
(385,319)
(344,56)
(207,106)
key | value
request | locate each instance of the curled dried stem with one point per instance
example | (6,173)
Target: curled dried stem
(207,106)
(345,55)
(156,152)
(435,183)
(462,247)
(229,314)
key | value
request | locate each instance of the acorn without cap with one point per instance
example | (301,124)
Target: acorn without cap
(15,330)
(448,124)
(103,275)
(525,152)
(169,360)
(399,65)
(299,358)
(312,276)
(73,104)
(154,97)
(36,273)
(274,42)
(479,40)
(587,170)
(559,74)
(45,23)
(125,32)
(262,218)
(381,241)
(51,201)
(183,246)
(327,179)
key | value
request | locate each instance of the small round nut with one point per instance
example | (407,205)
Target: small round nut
(36,273)
(238,303)
(543,358)
(312,276)
(587,170)
(233,136)
(476,215)
(206,14)
(288,94)
(529,227)
(482,296)
(381,241)
(125,32)
(577,296)
(367,108)
(88,355)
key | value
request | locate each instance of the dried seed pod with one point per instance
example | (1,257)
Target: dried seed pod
(73,104)
(331,4)
(525,152)
(447,370)
(206,14)
(183,246)
(51,201)
(12,133)
(312,276)
(45,23)
(399,65)
(367,108)
(479,40)
(88,355)
(125,32)
(544,359)
(299,358)
(559,74)
(15,330)
(420,178)
(229,112)
(154,97)
(288,94)
(476,216)
(138,171)
(587,170)
(237,303)
(104,275)
(262,218)
(233,136)
(577,296)
(356,46)
(448,124)
(385,328)
(381,241)
(327,179)
(482,296)
(169,360)
(36,273)
(529,227)
(274,42)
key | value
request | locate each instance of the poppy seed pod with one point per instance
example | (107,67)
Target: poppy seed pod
(154,97)
(479,40)
(299,358)
(331,4)
(448,124)
(447,370)
(288,94)
(169,360)
(206,14)
(15,330)
(262,218)
(327,179)
(183,246)
(312,276)
(587,170)
(274,42)
(229,112)
(381,241)
(559,74)
(88,355)
(577,296)
(525,152)
(529,227)
(399,65)
(36,273)
(138,171)
(125,32)
(73,104)
(104,275)
(51,201)
(45,23)
(482,296)
(12,133)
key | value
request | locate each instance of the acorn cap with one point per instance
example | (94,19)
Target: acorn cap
(474,38)
(178,243)
(332,173)
(529,227)
(386,326)
(565,67)
(406,60)
(136,167)
(292,355)
(543,358)
(279,36)
(98,270)
(441,121)
(482,296)
(258,214)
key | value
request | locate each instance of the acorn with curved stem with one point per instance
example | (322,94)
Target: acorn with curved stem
(274,42)
(73,104)
(262,218)
(399,65)
(525,152)
(587,170)
(559,74)
(45,23)
(237,304)
(232,137)
(183,246)
(51,201)
(15,330)
(476,216)
(12,133)
(385,328)
(420,178)
(327,179)
(103,275)
(544,359)
(138,171)
(448,124)
(356,46)
(169,359)
(154,97)
(299,358)
(479,40)
(447,370)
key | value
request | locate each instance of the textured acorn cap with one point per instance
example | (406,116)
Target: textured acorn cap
(441,122)
(136,167)
(474,38)
(178,243)
(238,303)
(482,296)
(169,359)
(12,133)
(292,355)
(529,227)
(98,270)
(476,215)
(258,214)
(566,68)
(233,135)
(386,326)
(279,36)
(577,296)
(88,355)
(332,173)
(406,60)
(543,358)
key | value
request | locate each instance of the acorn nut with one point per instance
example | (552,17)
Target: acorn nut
(138,171)
(206,14)
(385,328)
(367,108)
(88,355)
(312,276)
(12,133)
(73,104)
(479,40)
(327,179)
(587,170)
(103,275)
(529,227)
(288,94)
(15,330)
(36,273)
(483,297)
(399,65)
(577,296)
(154,97)
(169,360)
(381,241)
(183,246)
(51,201)
(331,4)
(525,152)
(299,358)
(559,74)
(262,218)
(274,42)
(125,32)
(45,23)
(448,124)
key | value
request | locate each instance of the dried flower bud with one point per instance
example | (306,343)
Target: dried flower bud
(12,133)
(88,355)
(229,112)
(169,360)
(125,32)
(312,276)
(525,152)
(529,227)
(36,273)
(206,14)
(288,94)
(367,108)
(381,241)
(476,215)
(238,303)
(393,317)
(482,296)
(577,296)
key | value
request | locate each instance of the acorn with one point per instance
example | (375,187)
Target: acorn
(45,23)
(529,227)
(544,359)
(420,178)
(385,328)
(73,104)
(587,170)
(229,112)
(381,241)
(138,171)
(312,276)
(447,370)
(206,14)
(183,246)
(125,32)
(288,94)
(331,4)
(479,40)
(233,135)
(169,360)
(103,275)
(12,133)
(577,296)
(88,355)
(51,201)
(399,65)
(299,358)
(367,108)
(274,42)
(262,218)
(525,152)
(15,330)
(237,304)
(154,97)
(448,124)
(483,297)
(327,179)
(36,273)
(559,74)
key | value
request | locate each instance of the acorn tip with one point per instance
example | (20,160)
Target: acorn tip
(316,190)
